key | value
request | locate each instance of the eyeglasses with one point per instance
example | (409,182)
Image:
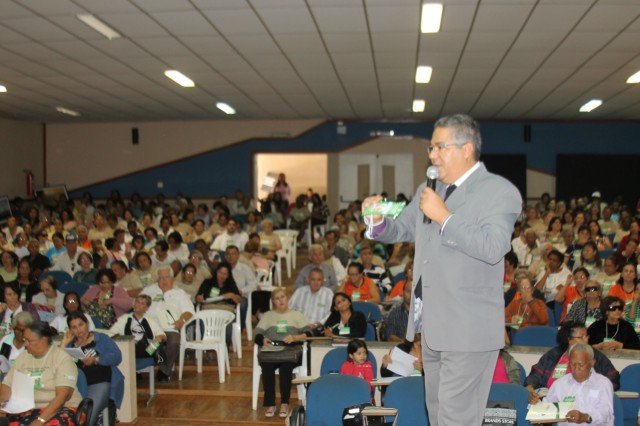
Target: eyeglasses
(439,146)
(615,308)
(591,289)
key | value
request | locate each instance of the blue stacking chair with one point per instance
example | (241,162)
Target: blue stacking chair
(536,336)
(618,412)
(61,277)
(407,395)
(630,381)
(329,395)
(512,392)
(370,334)
(334,359)
(80,288)
(371,311)
(523,373)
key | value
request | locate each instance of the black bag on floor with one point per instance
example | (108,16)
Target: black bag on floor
(352,416)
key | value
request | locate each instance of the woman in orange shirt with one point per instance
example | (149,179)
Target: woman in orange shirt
(626,285)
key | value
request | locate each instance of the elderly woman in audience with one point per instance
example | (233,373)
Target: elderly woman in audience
(613,332)
(106,301)
(609,276)
(186,280)
(11,305)
(71,304)
(9,268)
(269,242)
(57,396)
(12,344)
(588,309)
(626,285)
(282,325)
(146,331)
(344,321)
(145,270)
(554,364)
(100,363)
(573,290)
(49,299)
(525,310)
(28,286)
(87,273)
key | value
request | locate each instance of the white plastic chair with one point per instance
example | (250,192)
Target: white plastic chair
(299,371)
(265,282)
(210,328)
(285,253)
(236,334)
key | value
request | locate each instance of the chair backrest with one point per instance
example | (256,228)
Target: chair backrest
(210,324)
(61,277)
(329,395)
(512,392)
(630,381)
(618,412)
(523,373)
(83,387)
(370,333)
(371,311)
(333,360)
(407,395)
(552,315)
(285,240)
(536,336)
(292,233)
(80,288)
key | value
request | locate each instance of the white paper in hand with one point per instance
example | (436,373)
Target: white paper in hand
(76,353)
(401,362)
(22,394)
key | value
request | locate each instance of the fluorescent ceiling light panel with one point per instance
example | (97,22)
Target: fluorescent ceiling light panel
(591,105)
(3,89)
(418,105)
(68,111)
(179,78)
(431,17)
(227,109)
(423,74)
(99,26)
(634,78)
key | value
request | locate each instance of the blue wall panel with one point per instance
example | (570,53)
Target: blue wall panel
(223,171)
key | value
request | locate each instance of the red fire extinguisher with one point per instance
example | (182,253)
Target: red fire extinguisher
(30,178)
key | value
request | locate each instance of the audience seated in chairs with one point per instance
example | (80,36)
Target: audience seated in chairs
(525,310)
(71,304)
(147,333)
(316,258)
(49,299)
(613,332)
(358,286)
(397,320)
(313,300)
(587,310)
(344,321)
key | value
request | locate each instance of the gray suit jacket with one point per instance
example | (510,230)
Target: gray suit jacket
(462,269)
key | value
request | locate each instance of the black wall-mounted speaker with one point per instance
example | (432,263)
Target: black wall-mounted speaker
(135,136)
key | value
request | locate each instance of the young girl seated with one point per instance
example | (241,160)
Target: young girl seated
(357,364)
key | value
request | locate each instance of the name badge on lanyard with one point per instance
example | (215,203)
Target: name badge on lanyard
(344,331)
(560,371)
(281,327)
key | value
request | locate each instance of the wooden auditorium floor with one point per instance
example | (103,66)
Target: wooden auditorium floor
(199,399)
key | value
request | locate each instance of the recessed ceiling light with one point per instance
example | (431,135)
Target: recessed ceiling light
(635,78)
(68,111)
(423,74)
(3,89)
(227,109)
(431,17)
(418,105)
(98,25)
(591,105)
(179,78)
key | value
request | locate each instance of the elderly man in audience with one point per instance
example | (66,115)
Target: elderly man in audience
(591,392)
(554,275)
(607,225)
(171,308)
(233,235)
(358,286)
(68,261)
(331,239)
(316,257)
(313,300)
(528,252)
(245,278)
(146,332)
(399,316)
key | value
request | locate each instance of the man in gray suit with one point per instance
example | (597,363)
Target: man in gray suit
(457,301)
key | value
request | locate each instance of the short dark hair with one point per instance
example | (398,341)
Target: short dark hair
(357,265)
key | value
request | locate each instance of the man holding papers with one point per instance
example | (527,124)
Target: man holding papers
(171,308)
(590,392)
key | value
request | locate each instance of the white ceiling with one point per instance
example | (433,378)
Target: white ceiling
(346,59)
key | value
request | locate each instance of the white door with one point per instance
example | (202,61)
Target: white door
(364,174)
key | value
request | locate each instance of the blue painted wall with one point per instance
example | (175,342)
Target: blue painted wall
(223,171)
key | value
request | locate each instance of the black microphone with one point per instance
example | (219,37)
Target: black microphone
(432,177)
